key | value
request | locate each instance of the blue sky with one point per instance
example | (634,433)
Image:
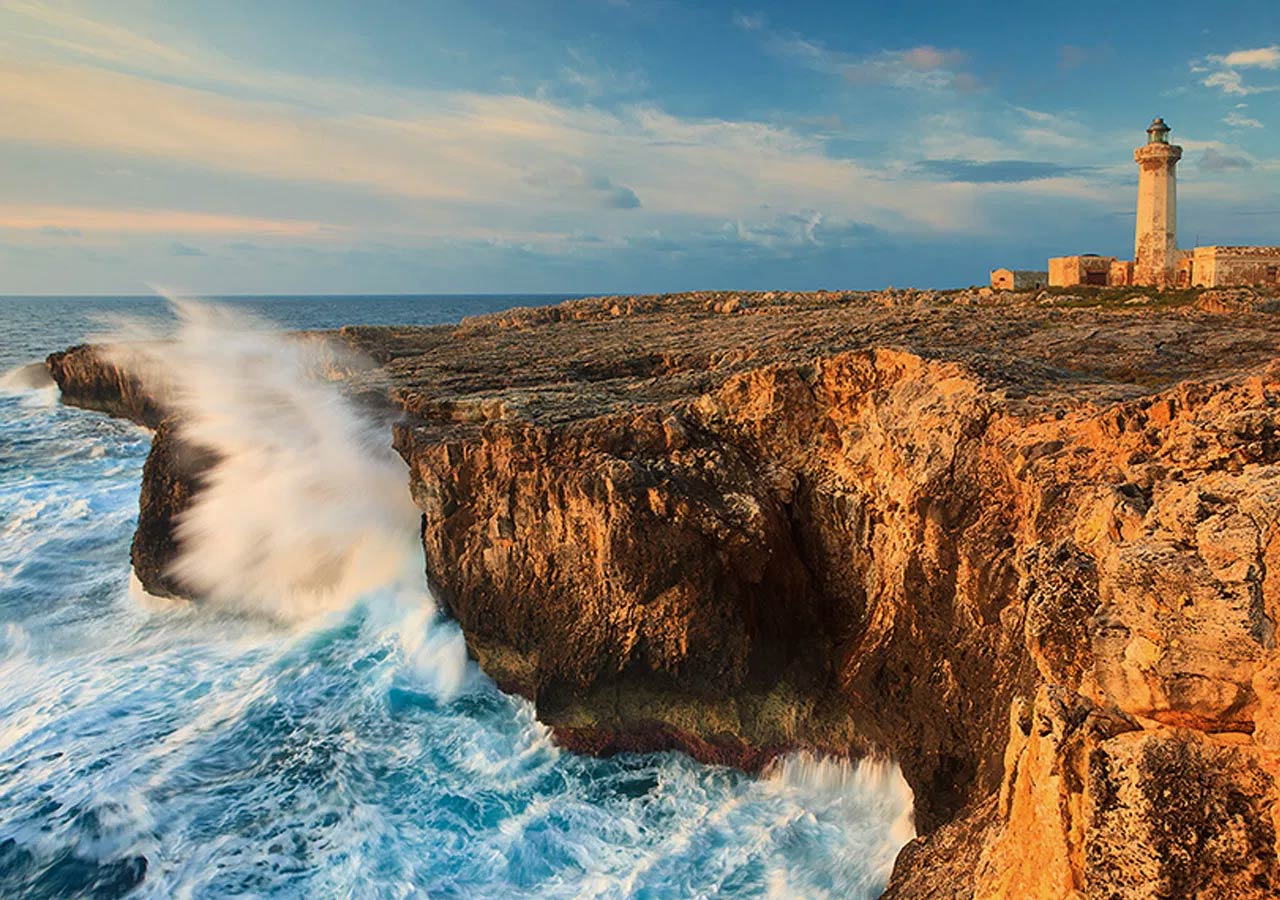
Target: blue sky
(612,145)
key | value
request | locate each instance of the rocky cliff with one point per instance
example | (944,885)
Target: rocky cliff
(1028,548)
(85,379)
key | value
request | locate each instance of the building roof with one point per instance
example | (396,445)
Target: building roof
(1239,247)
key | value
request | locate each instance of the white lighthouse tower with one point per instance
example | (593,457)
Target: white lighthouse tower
(1155,252)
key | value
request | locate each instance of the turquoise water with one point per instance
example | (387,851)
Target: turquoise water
(158,750)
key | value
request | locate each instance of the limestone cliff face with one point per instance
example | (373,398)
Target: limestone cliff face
(1146,762)
(1030,552)
(807,556)
(1068,611)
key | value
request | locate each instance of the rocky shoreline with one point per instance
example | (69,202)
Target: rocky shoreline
(1026,545)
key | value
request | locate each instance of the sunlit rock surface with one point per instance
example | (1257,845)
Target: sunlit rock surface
(1027,547)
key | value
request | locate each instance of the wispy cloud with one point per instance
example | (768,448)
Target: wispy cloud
(61,28)
(594,80)
(1260,57)
(60,231)
(458,150)
(1239,120)
(923,67)
(1035,115)
(784,234)
(1223,71)
(999,171)
(917,68)
(1229,82)
(69,221)
(592,190)
(1212,160)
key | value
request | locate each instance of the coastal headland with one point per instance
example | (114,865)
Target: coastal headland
(1027,544)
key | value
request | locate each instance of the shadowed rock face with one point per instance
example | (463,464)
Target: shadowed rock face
(170,478)
(86,380)
(1028,550)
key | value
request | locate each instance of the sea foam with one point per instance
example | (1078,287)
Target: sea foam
(30,377)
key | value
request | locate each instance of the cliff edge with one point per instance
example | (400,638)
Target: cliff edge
(1027,545)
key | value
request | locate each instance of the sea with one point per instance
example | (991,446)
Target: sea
(267,743)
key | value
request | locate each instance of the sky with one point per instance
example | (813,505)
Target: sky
(583,146)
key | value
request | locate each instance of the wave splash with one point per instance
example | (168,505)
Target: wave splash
(873,804)
(31,385)
(306,508)
(30,377)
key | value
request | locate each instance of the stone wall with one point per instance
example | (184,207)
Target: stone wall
(1018,279)
(1121,273)
(1066,271)
(1235,266)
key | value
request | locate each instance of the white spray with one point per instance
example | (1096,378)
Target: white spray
(307,508)
(871,799)
(31,377)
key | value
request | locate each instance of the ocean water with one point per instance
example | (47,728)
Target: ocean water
(294,738)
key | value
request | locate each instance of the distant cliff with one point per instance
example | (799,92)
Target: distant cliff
(1028,545)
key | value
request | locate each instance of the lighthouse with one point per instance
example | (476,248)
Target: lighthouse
(1155,248)
(1157,261)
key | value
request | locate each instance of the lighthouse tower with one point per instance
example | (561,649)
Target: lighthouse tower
(1156,242)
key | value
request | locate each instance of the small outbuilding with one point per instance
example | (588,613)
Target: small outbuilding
(1228,266)
(1018,279)
(1068,271)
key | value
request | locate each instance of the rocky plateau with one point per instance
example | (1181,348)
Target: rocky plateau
(1027,545)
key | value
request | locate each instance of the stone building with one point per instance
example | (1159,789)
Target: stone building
(1226,266)
(1066,271)
(1018,279)
(1157,261)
